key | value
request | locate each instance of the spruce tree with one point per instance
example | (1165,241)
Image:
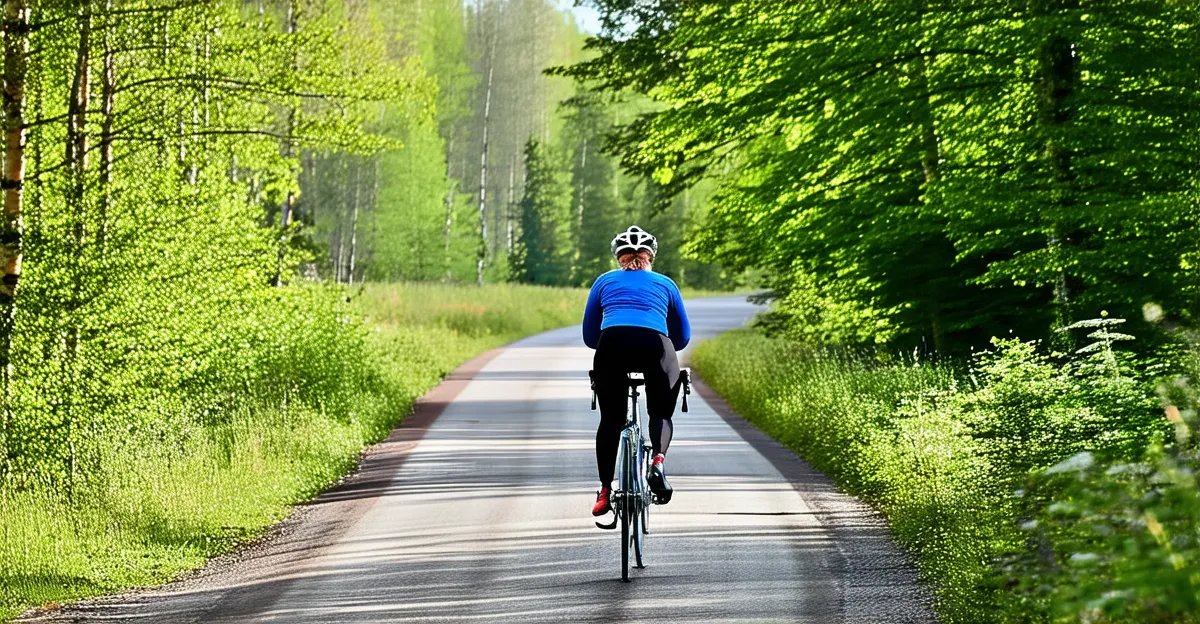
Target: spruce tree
(542,251)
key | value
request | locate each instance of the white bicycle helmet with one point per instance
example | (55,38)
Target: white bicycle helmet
(633,240)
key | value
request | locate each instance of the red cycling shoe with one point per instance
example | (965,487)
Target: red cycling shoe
(602,505)
(657,480)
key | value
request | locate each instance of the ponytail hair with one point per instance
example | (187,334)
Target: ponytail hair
(635,261)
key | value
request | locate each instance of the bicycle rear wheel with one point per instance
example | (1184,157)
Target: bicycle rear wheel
(628,484)
(626,517)
(640,508)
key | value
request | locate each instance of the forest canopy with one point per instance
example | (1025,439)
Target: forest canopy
(925,172)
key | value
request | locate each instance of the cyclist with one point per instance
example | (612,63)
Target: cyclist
(636,322)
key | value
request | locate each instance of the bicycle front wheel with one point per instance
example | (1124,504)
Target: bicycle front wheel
(638,535)
(645,519)
(628,484)
(645,484)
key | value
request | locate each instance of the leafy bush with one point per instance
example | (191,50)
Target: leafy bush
(943,451)
(1113,542)
(1117,539)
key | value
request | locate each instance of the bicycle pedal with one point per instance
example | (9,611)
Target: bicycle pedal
(608,527)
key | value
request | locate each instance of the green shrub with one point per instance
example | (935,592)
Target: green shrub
(943,452)
(1117,539)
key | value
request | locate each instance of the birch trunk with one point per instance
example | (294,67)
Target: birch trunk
(582,189)
(16,50)
(354,226)
(289,204)
(108,86)
(449,225)
(508,206)
(481,254)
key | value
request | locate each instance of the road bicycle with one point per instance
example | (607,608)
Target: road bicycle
(631,498)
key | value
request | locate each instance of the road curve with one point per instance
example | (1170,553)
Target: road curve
(482,515)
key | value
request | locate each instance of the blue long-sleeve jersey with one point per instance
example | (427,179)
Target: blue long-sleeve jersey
(636,299)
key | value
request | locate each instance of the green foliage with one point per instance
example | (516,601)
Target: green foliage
(1029,411)
(411,212)
(919,174)
(423,222)
(1121,538)
(607,200)
(414,208)
(146,297)
(597,203)
(176,376)
(925,173)
(1117,535)
(511,41)
(193,478)
(942,451)
(542,253)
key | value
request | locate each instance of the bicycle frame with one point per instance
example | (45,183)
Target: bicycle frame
(634,457)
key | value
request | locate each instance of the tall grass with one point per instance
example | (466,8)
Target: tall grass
(166,497)
(867,425)
(497,313)
(965,464)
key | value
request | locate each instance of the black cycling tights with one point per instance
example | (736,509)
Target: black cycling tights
(624,350)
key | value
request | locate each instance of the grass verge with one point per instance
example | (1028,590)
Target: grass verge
(1030,486)
(173,492)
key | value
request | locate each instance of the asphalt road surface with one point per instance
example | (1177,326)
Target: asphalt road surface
(477,509)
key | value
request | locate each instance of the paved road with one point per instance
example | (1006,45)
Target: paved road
(485,518)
